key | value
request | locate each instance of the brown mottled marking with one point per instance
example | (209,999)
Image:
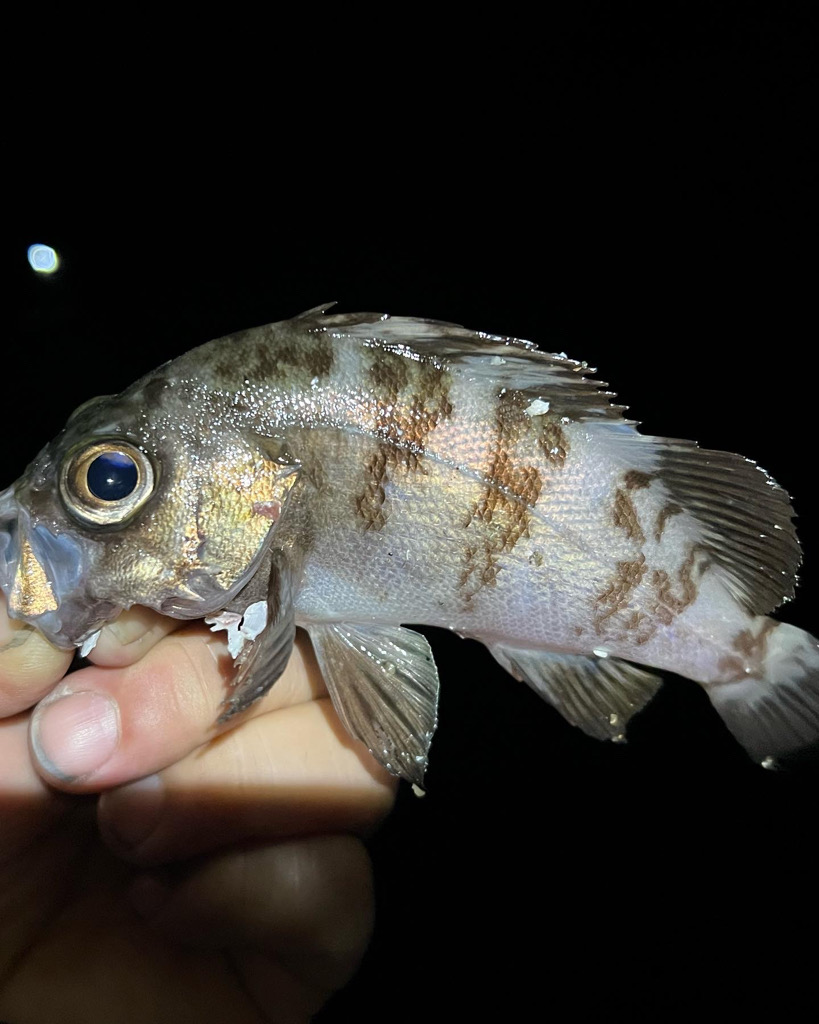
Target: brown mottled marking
(389,372)
(370,502)
(271,357)
(754,646)
(552,440)
(616,595)
(633,621)
(403,421)
(752,650)
(625,518)
(319,357)
(502,515)
(732,667)
(675,602)
(673,596)
(665,513)
(429,403)
(408,419)
(635,480)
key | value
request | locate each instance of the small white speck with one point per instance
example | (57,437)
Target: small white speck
(497,361)
(598,652)
(538,408)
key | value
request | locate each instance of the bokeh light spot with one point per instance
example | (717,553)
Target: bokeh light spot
(42,258)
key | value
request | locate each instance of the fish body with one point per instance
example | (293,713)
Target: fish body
(350,473)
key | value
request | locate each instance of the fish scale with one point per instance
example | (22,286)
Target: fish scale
(350,473)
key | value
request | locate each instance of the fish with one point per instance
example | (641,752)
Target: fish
(350,473)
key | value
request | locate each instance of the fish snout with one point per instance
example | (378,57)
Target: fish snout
(40,576)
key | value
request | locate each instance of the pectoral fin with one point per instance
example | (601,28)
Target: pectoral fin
(597,694)
(260,633)
(384,686)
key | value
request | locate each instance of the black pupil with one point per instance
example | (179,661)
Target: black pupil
(112,476)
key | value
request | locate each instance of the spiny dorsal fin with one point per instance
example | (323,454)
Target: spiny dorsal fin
(510,362)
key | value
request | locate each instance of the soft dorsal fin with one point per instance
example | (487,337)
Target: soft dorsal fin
(745,516)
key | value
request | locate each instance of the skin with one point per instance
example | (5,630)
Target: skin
(176,869)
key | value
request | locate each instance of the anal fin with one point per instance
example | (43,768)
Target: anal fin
(598,695)
(384,685)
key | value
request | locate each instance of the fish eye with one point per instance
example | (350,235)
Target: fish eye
(112,476)
(103,484)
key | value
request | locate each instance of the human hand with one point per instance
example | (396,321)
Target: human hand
(227,884)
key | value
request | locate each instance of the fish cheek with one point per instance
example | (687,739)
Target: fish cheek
(239,504)
(198,543)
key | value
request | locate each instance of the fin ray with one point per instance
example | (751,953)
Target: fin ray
(599,695)
(384,685)
(262,659)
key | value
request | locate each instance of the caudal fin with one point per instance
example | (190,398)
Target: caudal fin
(776,711)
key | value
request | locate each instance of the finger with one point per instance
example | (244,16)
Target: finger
(103,727)
(29,665)
(27,804)
(298,913)
(130,637)
(292,772)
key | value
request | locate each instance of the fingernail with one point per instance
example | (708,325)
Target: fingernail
(148,895)
(75,735)
(129,814)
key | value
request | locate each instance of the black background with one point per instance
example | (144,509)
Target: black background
(633,189)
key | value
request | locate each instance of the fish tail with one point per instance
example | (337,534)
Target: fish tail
(770,701)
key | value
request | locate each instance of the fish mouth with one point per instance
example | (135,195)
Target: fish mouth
(41,574)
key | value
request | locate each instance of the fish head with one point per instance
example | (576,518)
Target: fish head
(144,498)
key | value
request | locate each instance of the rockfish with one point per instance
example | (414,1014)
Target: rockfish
(350,473)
